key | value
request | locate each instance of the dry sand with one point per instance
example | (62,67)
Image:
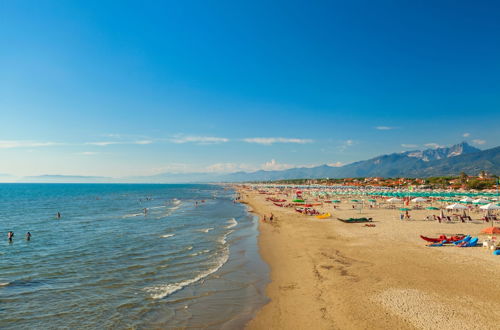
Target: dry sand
(327,274)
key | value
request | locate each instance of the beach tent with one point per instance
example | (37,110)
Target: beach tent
(394,200)
(490,206)
(419,200)
(456,207)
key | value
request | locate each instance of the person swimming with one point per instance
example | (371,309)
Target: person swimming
(28,236)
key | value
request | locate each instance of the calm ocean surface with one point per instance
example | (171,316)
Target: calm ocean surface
(105,264)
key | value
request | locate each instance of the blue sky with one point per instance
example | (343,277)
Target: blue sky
(143,87)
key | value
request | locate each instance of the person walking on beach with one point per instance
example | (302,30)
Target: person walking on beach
(28,236)
(10,235)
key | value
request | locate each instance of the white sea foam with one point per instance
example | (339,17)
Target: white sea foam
(205,230)
(162,291)
(175,201)
(4,283)
(198,253)
(232,223)
(132,215)
(222,240)
(167,235)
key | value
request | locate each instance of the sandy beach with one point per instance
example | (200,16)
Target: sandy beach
(327,274)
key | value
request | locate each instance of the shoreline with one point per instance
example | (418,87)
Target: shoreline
(326,274)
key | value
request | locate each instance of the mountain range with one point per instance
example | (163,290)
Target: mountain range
(440,161)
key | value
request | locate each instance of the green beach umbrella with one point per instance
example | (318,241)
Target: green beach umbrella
(432,208)
(404,209)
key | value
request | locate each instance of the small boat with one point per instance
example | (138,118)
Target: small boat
(324,216)
(355,220)
(442,238)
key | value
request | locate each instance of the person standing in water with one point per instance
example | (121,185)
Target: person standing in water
(145,211)
(28,236)
(58,215)
(10,235)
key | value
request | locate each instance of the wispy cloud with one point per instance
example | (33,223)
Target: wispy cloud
(404,145)
(432,145)
(102,143)
(143,142)
(10,144)
(346,144)
(273,140)
(336,164)
(229,168)
(466,134)
(198,139)
(384,128)
(478,141)
(108,143)
(87,153)
(273,165)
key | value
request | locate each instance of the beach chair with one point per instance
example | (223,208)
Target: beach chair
(471,243)
(465,239)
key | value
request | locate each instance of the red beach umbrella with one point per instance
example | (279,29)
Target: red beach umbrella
(491,230)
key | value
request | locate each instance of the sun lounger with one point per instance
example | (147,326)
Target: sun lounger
(465,239)
(471,243)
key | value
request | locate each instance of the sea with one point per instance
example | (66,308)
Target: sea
(135,256)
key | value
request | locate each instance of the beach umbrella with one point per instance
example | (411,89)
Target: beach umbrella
(432,208)
(479,201)
(490,206)
(466,200)
(354,200)
(394,200)
(456,207)
(372,200)
(491,230)
(404,209)
(419,200)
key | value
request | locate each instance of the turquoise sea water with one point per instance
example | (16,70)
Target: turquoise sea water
(107,264)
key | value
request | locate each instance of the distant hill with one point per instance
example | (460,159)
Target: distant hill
(417,163)
(65,179)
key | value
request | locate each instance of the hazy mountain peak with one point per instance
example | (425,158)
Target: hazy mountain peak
(443,152)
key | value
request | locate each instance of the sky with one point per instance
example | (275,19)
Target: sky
(137,88)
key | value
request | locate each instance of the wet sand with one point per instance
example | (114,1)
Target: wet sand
(327,274)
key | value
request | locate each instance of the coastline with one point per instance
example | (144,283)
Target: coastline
(326,274)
